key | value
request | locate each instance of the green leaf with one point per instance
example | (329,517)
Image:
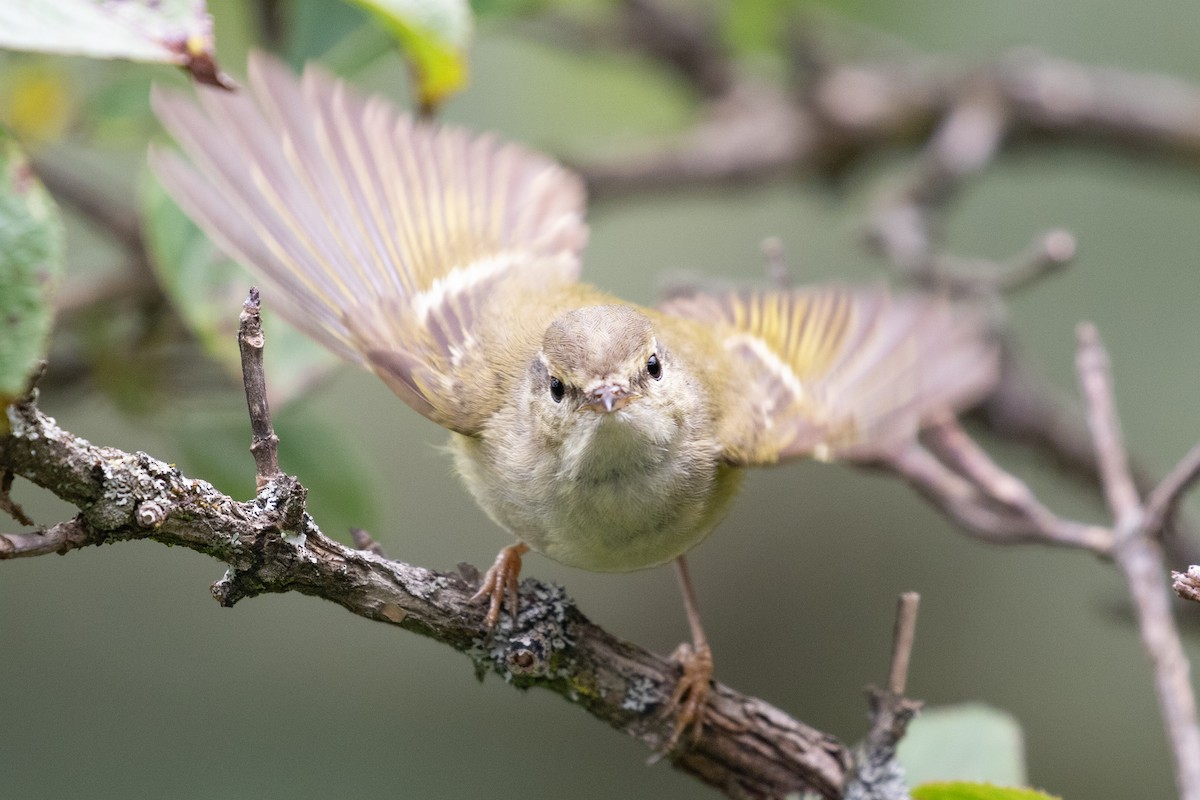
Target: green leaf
(31,254)
(976,791)
(207,289)
(156,31)
(435,35)
(971,742)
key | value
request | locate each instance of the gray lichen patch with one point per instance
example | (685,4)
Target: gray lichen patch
(537,646)
(641,695)
(127,481)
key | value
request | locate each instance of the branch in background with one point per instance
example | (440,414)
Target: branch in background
(689,43)
(845,111)
(1138,556)
(115,219)
(751,134)
(1162,504)
(958,477)
(964,142)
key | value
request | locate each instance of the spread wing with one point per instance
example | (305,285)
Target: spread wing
(384,237)
(840,372)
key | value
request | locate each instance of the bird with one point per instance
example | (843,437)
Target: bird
(602,434)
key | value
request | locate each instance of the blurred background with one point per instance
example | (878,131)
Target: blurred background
(122,678)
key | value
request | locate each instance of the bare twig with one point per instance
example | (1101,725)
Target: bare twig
(363,541)
(848,110)
(60,538)
(1138,557)
(877,775)
(966,141)
(264,444)
(1023,408)
(750,134)
(903,635)
(1096,386)
(998,509)
(1049,253)
(1163,501)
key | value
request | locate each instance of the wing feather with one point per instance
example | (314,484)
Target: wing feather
(840,372)
(384,237)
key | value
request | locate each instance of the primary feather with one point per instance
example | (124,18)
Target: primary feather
(386,237)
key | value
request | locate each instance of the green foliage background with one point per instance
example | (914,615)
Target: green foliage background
(123,679)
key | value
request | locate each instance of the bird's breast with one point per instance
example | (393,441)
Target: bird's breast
(622,493)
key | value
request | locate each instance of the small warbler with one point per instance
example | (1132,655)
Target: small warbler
(602,434)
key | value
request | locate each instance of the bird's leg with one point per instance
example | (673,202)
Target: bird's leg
(691,693)
(501,579)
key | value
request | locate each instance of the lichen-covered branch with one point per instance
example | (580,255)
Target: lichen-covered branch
(748,748)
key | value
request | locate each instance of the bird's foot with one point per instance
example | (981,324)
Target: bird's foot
(501,579)
(691,693)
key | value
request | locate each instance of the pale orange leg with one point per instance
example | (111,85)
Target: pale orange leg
(502,578)
(691,693)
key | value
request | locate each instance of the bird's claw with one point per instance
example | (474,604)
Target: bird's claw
(691,693)
(501,579)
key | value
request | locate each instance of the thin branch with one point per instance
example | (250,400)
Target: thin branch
(990,510)
(1096,385)
(903,636)
(264,444)
(1048,254)
(1139,558)
(845,111)
(751,134)
(1023,408)
(1163,501)
(965,141)
(877,775)
(60,538)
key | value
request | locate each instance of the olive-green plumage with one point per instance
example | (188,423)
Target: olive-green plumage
(604,435)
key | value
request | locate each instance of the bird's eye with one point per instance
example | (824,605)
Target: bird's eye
(654,367)
(557,389)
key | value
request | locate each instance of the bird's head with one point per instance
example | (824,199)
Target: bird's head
(603,379)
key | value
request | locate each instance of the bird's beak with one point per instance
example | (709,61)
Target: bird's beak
(607,398)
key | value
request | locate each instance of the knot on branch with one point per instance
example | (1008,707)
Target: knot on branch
(135,491)
(284,499)
(536,646)
(267,561)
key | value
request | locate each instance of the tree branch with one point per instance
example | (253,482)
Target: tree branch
(877,775)
(1139,558)
(264,445)
(748,748)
